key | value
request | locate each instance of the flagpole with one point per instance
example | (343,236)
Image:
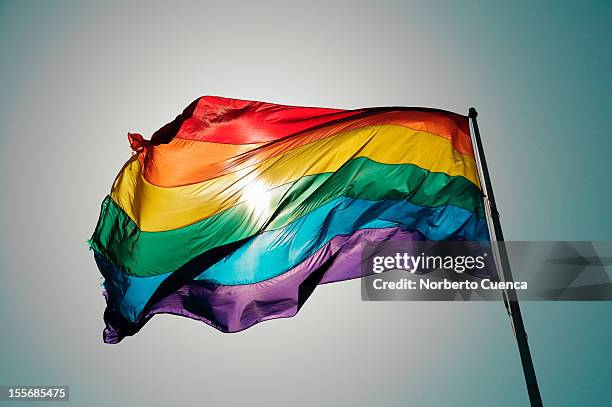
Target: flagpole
(512,304)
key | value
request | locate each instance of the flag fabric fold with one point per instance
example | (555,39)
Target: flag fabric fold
(234,212)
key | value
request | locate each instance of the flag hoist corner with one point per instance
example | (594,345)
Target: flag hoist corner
(234,212)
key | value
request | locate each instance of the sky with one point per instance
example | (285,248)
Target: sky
(75,77)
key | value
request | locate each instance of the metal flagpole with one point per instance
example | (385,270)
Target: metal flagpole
(512,304)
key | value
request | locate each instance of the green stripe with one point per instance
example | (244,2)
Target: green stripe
(150,253)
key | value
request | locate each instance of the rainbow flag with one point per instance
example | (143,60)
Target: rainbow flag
(234,212)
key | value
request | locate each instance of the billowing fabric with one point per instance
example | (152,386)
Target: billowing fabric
(234,212)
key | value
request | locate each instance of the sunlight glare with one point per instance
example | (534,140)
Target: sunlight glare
(255,195)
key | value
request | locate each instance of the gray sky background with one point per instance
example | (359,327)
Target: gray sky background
(75,77)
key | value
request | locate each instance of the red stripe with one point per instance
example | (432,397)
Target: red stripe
(233,121)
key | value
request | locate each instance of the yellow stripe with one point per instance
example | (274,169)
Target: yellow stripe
(156,208)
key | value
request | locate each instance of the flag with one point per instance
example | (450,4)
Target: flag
(235,211)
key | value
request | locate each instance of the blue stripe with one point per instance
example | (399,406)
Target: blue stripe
(274,252)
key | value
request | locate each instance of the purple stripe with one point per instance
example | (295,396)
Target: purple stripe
(234,308)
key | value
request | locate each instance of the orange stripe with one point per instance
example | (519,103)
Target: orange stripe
(184,162)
